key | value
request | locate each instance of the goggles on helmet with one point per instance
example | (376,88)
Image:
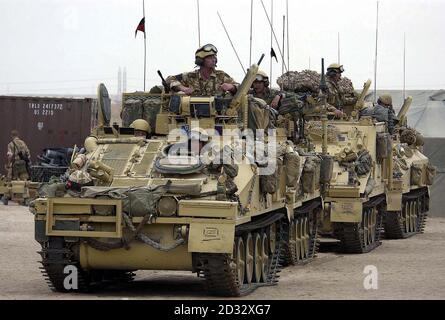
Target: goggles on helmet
(208,48)
(337,70)
(260,78)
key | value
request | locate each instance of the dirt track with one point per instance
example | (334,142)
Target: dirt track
(407,269)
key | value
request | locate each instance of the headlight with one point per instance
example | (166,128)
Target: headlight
(167,206)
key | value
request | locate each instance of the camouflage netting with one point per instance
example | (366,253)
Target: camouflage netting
(314,129)
(304,81)
(309,81)
(411,137)
(346,86)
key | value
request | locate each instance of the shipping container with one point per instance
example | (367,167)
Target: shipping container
(45,122)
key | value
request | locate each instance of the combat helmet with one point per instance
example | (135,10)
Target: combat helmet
(336,67)
(386,99)
(140,125)
(90,144)
(262,76)
(203,52)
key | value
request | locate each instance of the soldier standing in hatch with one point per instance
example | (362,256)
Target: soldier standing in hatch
(206,81)
(382,112)
(18,158)
(336,97)
(261,90)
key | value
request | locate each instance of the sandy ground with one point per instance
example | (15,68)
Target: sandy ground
(407,269)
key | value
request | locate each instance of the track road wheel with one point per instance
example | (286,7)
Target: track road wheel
(272,235)
(304,238)
(240,260)
(407,222)
(264,257)
(257,258)
(249,249)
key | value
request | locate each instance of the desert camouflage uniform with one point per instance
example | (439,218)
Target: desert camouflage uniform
(268,96)
(200,86)
(14,147)
(337,98)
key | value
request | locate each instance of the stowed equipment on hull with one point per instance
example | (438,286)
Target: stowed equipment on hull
(376,181)
(172,203)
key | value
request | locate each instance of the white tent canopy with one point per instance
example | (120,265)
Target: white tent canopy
(427,112)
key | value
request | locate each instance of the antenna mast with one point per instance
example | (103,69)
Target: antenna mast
(375,59)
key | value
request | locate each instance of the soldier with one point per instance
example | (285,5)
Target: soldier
(141,128)
(336,97)
(206,81)
(261,90)
(382,112)
(18,158)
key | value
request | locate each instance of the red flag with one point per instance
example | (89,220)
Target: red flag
(140,27)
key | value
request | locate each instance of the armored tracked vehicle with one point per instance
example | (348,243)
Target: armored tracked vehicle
(200,192)
(408,193)
(372,182)
(17,191)
(378,184)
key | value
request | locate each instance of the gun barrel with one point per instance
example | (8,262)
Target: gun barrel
(244,87)
(160,75)
(261,59)
(164,83)
(405,107)
(361,99)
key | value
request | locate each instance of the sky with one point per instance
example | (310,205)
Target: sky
(52,47)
